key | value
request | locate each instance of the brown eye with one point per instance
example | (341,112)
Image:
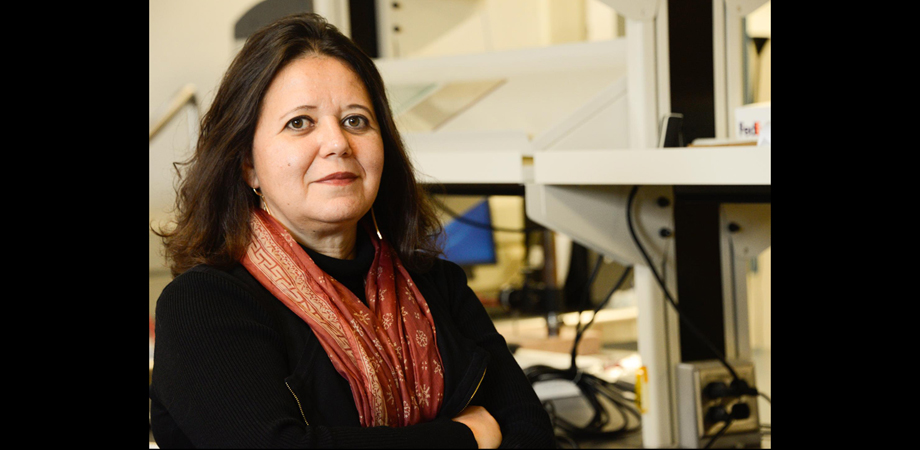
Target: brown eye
(355,122)
(298,123)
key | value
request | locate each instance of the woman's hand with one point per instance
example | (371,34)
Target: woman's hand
(485,428)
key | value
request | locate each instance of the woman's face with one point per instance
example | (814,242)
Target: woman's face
(317,150)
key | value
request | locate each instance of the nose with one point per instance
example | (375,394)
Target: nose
(334,141)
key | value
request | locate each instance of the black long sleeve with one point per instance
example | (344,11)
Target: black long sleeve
(505,391)
(225,349)
(219,371)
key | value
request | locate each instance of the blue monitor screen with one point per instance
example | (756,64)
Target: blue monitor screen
(469,245)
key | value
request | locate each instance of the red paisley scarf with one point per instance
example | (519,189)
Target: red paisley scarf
(386,350)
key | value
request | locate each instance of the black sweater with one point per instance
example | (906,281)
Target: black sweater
(234,367)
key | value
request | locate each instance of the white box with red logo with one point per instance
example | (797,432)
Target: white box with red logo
(753,121)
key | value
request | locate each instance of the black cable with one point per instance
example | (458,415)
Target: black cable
(567,440)
(580,331)
(585,292)
(684,320)
(615,395)
(690,326)
(720,433)
(592,387)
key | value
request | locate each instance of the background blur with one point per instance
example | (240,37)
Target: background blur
(192,42)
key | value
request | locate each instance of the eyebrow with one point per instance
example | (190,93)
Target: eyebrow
(309,107)
(296,109)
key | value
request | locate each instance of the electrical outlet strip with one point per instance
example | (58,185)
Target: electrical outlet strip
(695,425)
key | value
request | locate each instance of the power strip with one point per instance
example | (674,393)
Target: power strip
(698,407)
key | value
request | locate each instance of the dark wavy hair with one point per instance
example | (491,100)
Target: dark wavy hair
(213,201)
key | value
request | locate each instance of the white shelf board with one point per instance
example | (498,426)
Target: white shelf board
(468,158)
(655,166)
(572,57)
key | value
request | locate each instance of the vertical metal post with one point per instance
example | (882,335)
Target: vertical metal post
(655,385)
(641,80)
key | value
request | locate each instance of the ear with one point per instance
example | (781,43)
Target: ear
(249,174)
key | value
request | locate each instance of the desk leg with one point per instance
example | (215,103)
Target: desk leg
(657,337)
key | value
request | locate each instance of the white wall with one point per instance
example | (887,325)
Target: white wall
(189,42)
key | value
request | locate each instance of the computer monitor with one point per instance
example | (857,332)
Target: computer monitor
(470,245)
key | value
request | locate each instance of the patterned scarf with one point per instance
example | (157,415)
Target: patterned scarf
(386,350)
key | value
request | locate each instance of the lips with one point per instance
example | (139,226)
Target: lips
(338,177)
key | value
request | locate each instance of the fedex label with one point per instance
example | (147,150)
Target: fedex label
(748,129)
(752,120)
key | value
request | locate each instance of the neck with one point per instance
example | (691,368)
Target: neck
(333,240)
(337,245)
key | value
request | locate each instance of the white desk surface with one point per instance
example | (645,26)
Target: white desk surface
(655,166)
(658,166)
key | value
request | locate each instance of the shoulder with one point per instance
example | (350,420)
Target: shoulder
(206,290)
(212,276)
(201,280)
(442,268)
(446,283)
(443,274)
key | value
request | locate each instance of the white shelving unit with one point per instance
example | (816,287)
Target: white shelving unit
(575,125)
(655,166)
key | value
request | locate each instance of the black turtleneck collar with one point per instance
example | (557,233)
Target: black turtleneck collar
(349,272)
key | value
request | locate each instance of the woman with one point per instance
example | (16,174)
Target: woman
(309,307)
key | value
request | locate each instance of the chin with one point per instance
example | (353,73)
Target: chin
(343,218)
(338,212)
